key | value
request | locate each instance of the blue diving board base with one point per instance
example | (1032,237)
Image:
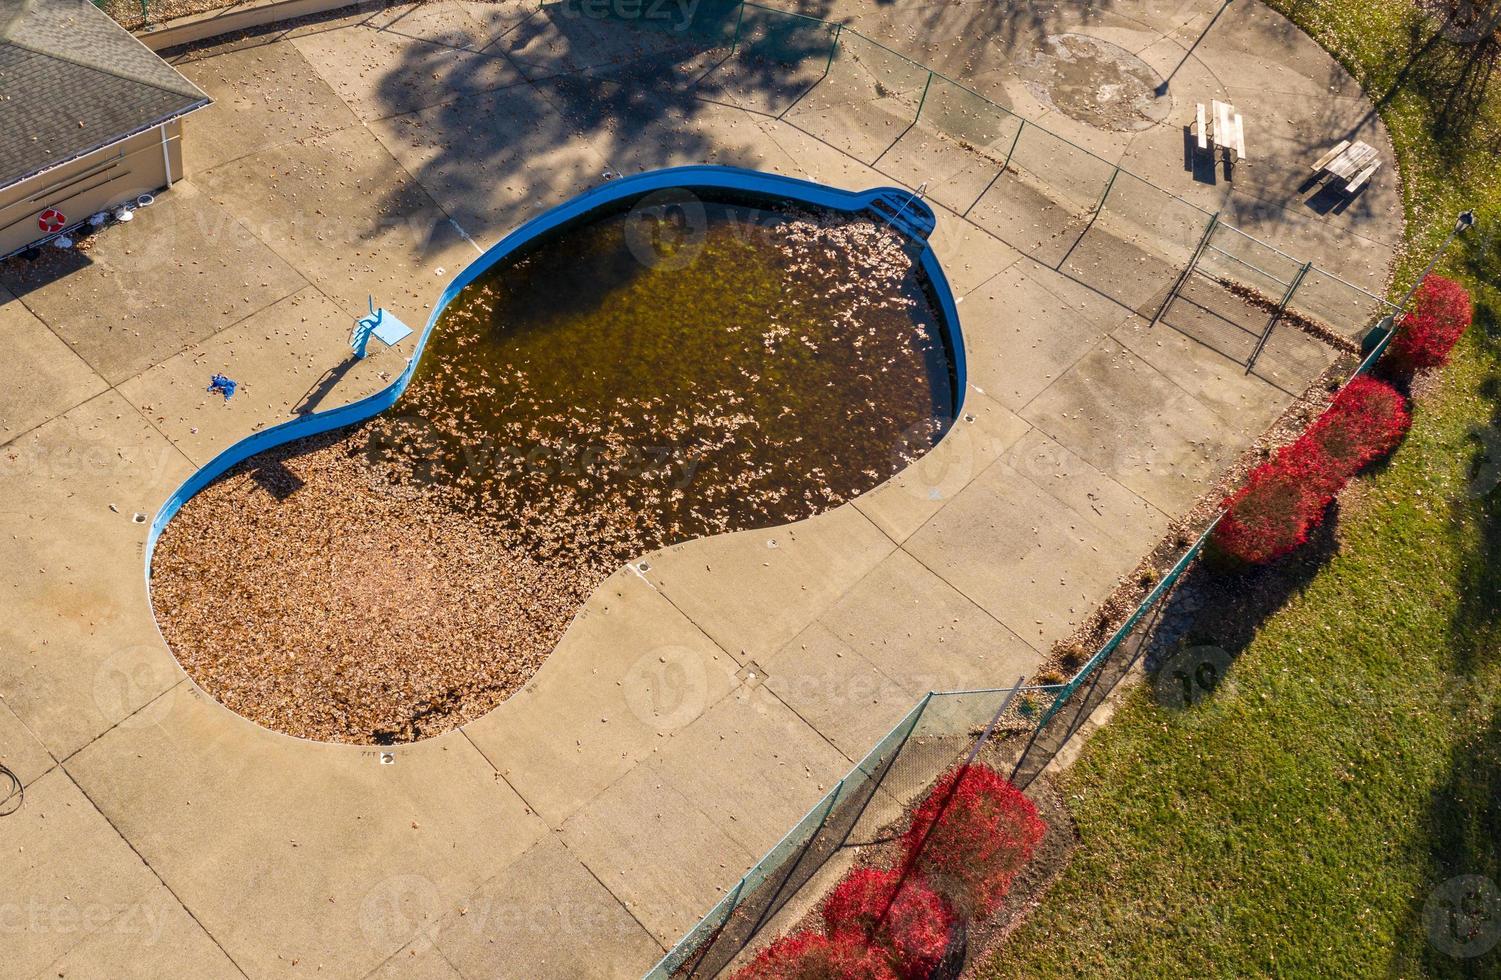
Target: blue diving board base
(389,330)
(382,324)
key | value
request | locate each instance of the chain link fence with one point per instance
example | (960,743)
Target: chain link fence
(140,15)
(941,730)
(1066,206)
(1086,217)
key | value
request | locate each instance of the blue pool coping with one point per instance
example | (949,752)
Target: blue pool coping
(914,221)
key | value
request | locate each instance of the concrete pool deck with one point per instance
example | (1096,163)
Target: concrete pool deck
(695,709)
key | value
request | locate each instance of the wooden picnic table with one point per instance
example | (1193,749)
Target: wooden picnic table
(1354,162)
(1224,128)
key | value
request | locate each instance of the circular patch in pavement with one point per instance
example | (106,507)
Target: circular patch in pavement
(1095,82)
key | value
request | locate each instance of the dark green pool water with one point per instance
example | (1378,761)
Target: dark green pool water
(669,372)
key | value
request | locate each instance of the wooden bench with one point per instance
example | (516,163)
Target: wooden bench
(1229,133)
(1238,138)
(1328,158)
(1362,177)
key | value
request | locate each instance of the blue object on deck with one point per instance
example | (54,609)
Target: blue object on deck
(222,385)
(381,323)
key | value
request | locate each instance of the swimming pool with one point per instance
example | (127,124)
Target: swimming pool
(672,355)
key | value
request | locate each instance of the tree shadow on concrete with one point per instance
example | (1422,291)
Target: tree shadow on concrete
(1359,259)
(772,58)
(599,96)
(971,36)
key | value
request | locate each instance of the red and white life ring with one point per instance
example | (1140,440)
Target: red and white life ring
(51,220)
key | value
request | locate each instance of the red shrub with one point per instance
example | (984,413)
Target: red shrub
(1365,422)
(814,956)
(1284,499)
(1281,501)
(904,917)
(970,836)
(1426,335)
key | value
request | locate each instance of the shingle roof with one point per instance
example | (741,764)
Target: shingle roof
(72,80)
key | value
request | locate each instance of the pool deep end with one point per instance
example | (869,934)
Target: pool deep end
(554,239)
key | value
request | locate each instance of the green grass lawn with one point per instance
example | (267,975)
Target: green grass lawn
(1296,821)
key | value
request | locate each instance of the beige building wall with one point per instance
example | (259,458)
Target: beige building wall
(106,178)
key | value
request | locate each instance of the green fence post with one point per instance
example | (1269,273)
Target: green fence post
(1004,164)
(145,13)
(832,48)
(823,821)
(1214,221)
(735,41)
(1374,342)
(925,86)
(1014,140)
(1266,334)
(1108,185)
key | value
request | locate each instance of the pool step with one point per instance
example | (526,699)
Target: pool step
(906,212)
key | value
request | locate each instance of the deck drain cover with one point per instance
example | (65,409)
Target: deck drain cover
(751,675)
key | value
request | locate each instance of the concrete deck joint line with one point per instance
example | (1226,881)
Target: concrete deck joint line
(128,843)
